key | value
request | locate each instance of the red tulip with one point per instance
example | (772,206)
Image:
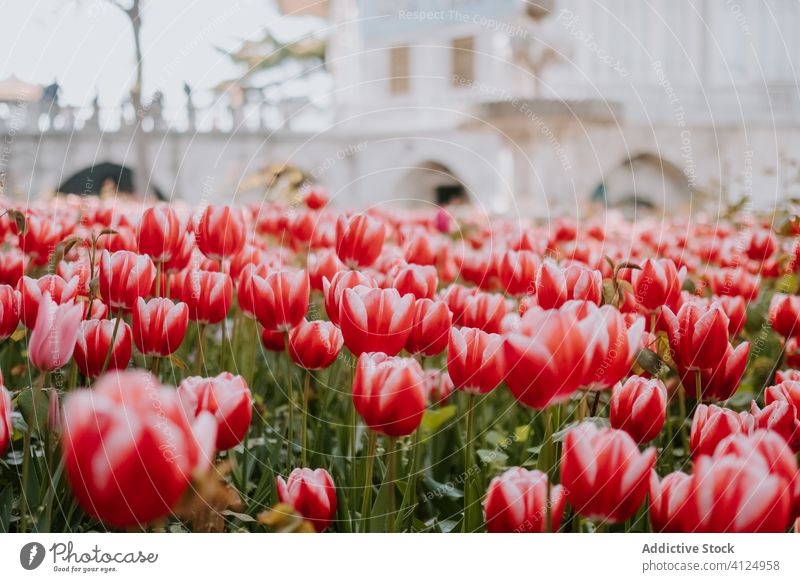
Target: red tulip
(734,282)
(711,424)
(419,280)
(128,448)
(40,237)
(376,320)
(438,385)
(604,475)
(517,272)
(389,393)
(124,277)
(784,314)
(784,375)
(10,300)
(314,345)
(53,338)
(778,416)
(159,325)
(545,358)
(668,501)
(333,289)
(182,256)
(12,267)
(421,249)
(359,240)
(220,232)
(281,298)
(731,494)
(456,298)
(94,341)
(657,283)
(639,407)
(721,381)
(431,328)
(208,295)
(323,264)
(67,270)
(311,493)
(160,233)
(31,291)
(274,341)
(761,245)
(611,345)
(555,286)
(5,419)
(518,502)
(96,310)
(475,360)
(245,290)
(698,337)
(316,199)
(484,311)
(225,396)
(736,310)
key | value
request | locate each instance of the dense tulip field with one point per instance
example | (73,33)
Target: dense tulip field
(291,366)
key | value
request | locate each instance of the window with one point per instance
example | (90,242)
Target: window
(399,70)
(463,56)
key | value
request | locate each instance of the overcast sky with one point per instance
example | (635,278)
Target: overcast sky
(87,44)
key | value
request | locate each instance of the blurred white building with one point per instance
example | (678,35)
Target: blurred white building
(537,107)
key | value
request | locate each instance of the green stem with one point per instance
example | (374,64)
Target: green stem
(391,476)
(25,509)
(468,462)
(159,267)
(155,364)
(366,499)
(290,398)
(198,362)
(698,381)
(306,394)
(682,414)
(113,339)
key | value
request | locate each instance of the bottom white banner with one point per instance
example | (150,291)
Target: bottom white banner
(396,557)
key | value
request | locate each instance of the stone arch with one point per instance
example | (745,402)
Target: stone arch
(91,180)
(432,182)
(644,182)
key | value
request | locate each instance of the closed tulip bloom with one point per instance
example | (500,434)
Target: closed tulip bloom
(53,338)
(419,280)
(311,493)
(314,345)
(604,474)
(31,291)
(784,314)
(545,360)
(421,249)
(208,295)
(40,237)
(735,282)
(668,501)
(220,232)
(225,396)
(722,381)
(333,289)
(160,233)
(517,502)
(10,300)
(376,320)
(323,264)
(159,325)
(517,272)
(274,341)
(698,336)
(431,328)
(181,256)
(124,277)
(611,345)
(316,199)
(389,393)
(12,267)
(128,448)
(732,494)
(456,298)
(484,311)
(736,310)
(639,407)
(712,424)
(784,375)
(359,240)
(5,419)
(245,290)
(282,298)
(475,360)
(788,391)
(778,416)
(555,286)
(761,245)
(657,283)
(94,341)
(81,269)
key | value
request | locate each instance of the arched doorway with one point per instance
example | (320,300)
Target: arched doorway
(432,182)
(102,177)
(645,183)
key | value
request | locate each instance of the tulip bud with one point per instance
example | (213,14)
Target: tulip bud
(159,325)
(639,407)
(784,314)
(52,341)
(207,294)
(160,233)
(376,320)
(668,501)
(314,345)
(9,310)
(311,493)
(94,341)
(698,337)
(333,289)
(475,360)
(5,419)
(711,424)
(220,232)
(517,502)
(31,291)
(225,396)
(125,276)
(359,240)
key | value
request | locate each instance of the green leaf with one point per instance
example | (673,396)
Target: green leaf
(599,421)
(433,419)
(34,415)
